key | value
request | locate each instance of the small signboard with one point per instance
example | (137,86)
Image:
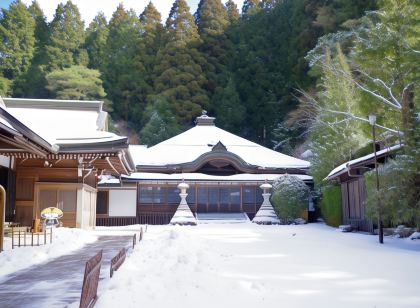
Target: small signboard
(51,215)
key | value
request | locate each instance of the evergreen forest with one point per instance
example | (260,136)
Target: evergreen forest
(242,65)
(293,75)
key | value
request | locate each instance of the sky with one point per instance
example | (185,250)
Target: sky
(89,8)
(5,3)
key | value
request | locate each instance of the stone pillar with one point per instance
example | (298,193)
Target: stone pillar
(183,214)
(266,214)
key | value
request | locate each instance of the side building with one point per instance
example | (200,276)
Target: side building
(51,153)
(224,172)
(349,176)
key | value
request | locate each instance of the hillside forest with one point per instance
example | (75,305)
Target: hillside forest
(293,75)
(242,66)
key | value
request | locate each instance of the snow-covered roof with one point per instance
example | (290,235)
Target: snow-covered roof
(204,177)
(136,151)
(344,167)
(193,143)
(63,122)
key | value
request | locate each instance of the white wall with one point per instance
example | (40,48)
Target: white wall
(4,161)
(122,202)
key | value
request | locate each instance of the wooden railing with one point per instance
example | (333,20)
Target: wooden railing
(116,221)
(89,295)
(21,236)
(117,261)
(90,281)
(120,257)
(152,218)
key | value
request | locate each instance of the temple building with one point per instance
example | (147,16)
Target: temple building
(51,154)
(223,171)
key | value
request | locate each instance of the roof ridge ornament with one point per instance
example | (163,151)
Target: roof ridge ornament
(219,147)
(204,119)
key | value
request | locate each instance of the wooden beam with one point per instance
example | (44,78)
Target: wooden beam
(111,165)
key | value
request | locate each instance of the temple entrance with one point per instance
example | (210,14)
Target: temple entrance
(218,199)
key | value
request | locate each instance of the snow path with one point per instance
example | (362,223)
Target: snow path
(58,282)
(246,265)
(65,241)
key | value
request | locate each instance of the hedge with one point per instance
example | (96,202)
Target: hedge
(331,209)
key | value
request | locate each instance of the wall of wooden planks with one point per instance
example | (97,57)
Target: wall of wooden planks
(32,175)
(353,194)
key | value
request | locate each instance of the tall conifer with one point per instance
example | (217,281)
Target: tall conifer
(17,28)
(120,79)
(41,26)
(150,42)
(180,78)
(212,21)
(232,11)
(66,38)
(32,82)
(250,7)
(96,36)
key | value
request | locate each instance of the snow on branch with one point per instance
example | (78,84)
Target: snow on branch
(393,102)
(347,115)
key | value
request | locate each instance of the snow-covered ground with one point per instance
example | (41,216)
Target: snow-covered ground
(246,265)
(65,240)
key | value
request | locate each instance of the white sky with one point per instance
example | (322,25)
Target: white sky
(89,8)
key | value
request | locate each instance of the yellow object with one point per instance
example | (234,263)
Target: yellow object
(51,213)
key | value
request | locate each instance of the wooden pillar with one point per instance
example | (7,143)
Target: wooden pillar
(241,198)
(2,215)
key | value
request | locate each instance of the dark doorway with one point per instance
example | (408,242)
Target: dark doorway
(8,180)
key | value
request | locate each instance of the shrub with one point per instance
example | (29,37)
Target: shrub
(331,209)
(398,194)
(289,198)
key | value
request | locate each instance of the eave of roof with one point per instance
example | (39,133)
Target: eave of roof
(26,131)
(243,177)
(114,144)
(52,104)
(343,168)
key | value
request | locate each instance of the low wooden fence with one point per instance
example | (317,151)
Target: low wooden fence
(134,240)
(117,261)
(21,237)
(89,294)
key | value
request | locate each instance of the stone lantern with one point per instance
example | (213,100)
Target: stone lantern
(183,214)
(266,214)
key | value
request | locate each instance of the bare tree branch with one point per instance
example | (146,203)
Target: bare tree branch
(319,109)
(350,115)
(383,84)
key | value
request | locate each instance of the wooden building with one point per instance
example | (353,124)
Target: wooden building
(353,191)
(224,173)
(52,152)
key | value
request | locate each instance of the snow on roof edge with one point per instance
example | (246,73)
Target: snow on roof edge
(205,177)
(338,170)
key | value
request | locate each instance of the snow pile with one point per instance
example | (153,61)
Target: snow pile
(65,240)
(248,265)
(415,236)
